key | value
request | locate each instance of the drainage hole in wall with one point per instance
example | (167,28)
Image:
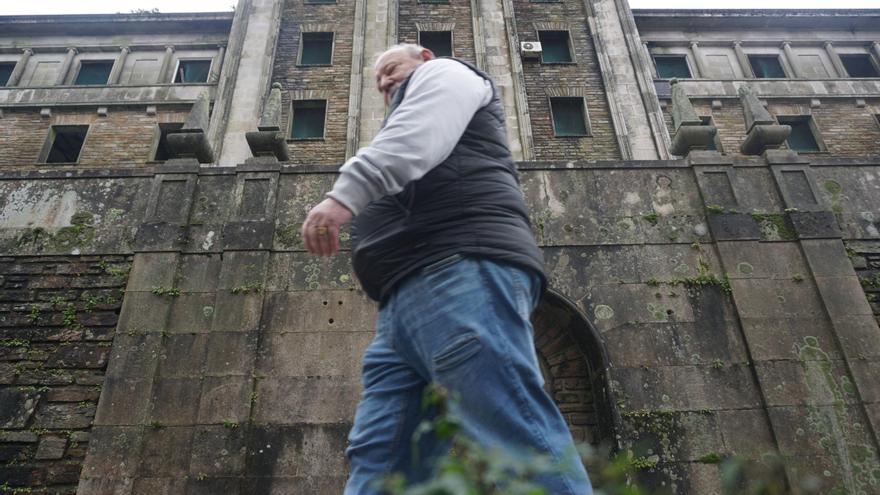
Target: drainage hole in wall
(330,321)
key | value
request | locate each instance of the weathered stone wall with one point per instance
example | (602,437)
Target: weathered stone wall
(583,76)
(124,137)
(58,319)
(846,127)
(316,82)
(412,13)
(865,257)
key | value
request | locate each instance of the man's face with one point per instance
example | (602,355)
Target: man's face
(393,68)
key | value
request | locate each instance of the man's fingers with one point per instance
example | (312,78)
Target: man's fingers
(323,240)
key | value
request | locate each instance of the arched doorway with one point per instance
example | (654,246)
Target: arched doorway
(574,364)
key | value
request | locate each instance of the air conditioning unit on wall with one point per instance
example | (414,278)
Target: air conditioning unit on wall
(530,49)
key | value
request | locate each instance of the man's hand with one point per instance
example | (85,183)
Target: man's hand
(320,231)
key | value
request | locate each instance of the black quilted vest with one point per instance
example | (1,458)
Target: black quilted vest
(469,204)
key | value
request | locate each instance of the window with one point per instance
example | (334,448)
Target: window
(433,1)
(317,49)
(192,71)
(93,72)
(859,66)
(66,143)
(766,66)
(162,153)
(439,42)
(803,134)
(715,145)
(307,121)
(320,1)
(672,66)
(6,73)
(555,47)
(569,117)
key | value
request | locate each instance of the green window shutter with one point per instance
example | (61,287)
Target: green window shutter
(308,119)
(672,66)
(554,46)
(317,49)
(801,138)
(93,72)
(766,67)
(568,116)
(192,71)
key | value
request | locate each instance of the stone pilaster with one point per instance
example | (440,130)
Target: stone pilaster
(791,59)
(743,60)
(20,66)
(118,65)
(65,66)
(165,68)
(835,59)
(698,59)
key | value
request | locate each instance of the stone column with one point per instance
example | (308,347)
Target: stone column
(743,60)
(118,65)
(217,64)
(15,77)
(166,62)
(875,47)
(835,59)
(65,66)
(792,60)
(698,60)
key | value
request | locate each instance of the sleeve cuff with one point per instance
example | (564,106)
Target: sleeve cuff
(350,193)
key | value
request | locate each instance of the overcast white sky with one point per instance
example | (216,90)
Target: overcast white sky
(23,7)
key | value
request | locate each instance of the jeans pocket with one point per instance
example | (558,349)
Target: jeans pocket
(457,352)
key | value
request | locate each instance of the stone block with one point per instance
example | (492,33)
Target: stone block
(124,401)
(143,312)
(160,236)
(183,355)
(166,451)
(638,303)
(78,355)
(765,298)
(675,343)
(305,400)
(218,451)
(243,269)
(159,486)
(301,271)
(18,437)
(231,353)
(325,311)
(815,224)
(733,227)
(192,313)
(17,407)
(215,485)
(237,312)
(51,448)
(780,338)
(775,260)
(64,416)
(198,272)
(838,431)
(281,485)
(708,388)
(149,270)
(113,452)
(826,474)
(225,398)
(175,401)
(865,374)
(134,356)
(827,257)
(843,296)
(859,336)
(63,474)
(746,432)
(248,235)
(297,450)
(318,354)
(814,383)
(105,486)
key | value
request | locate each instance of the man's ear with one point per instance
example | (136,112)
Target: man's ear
(427,54)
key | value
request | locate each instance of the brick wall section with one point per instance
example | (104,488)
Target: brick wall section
(865,257)
(124,137)
(847,130)
(334,79)
(57,322)
(585,74)
(411,12)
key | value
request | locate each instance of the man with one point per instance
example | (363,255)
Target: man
(441,238)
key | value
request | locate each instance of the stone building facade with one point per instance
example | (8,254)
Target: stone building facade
(704,186)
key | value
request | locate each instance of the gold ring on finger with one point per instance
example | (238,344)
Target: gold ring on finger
(322,231)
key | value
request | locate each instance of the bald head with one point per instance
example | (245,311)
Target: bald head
(395,64)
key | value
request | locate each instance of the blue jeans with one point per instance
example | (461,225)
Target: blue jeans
(463,323)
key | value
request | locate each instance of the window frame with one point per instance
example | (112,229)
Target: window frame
(811,125)
(866,56)
(299,53)
(687,62)
(92,61)
(777,56)
(585,115)
(290,121)
(49,143)
(194,59)
(451,41)
(569,44)
(12,65)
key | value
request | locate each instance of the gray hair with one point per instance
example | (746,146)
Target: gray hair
(411,49)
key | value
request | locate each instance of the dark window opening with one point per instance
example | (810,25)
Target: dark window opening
(162,151)
(859,66)
(93,72)
(555,47)
(67,142)
(317,49)
(433,1)
(6,73)
(669,67)
(802,137)
(715,145)
(439,42)
(568,116)
(766,66)
(320,1)
(192,71)
(308,119)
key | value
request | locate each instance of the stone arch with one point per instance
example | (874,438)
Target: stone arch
(574,363)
